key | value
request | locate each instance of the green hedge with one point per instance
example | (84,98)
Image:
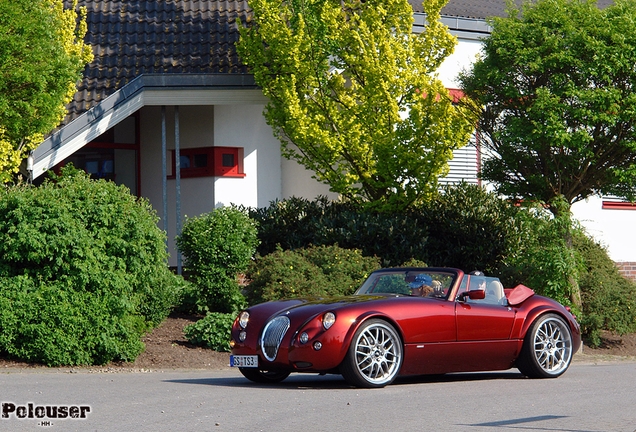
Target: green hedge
(298,223)
(212,332)
(83,272)
(470,228)
(464,227)
(312,271)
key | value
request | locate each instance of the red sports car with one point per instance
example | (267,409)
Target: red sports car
(407,321)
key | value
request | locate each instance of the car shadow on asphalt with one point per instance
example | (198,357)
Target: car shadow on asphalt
(334,381)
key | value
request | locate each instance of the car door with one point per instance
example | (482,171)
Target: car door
(486,319)
(483,336)
(483,322)
(429,329)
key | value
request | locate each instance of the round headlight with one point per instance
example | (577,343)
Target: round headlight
(328,319)
(244,318)
(242,335)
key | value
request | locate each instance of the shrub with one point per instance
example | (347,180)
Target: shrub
(83,271)
(283,274)
(543,260)
(609,299)
(465,227)
(213,331)
(345,269)
(469,228)
(414,263)
(308,272)
(54,324)
(216,247)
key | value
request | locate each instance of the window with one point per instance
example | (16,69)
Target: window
(208,162)
(193,162)
(228,162)
(115,162)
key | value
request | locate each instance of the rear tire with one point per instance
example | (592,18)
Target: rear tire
(374,357)
(263,377)
(547,348)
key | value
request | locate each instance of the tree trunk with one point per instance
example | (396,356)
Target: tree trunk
(561,208)
(574,288)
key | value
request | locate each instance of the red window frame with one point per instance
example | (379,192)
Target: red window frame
(618,205)
(209,162)
(228,162)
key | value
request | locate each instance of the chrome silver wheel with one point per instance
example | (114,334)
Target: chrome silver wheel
(548,348)
(375,355)
(553,346)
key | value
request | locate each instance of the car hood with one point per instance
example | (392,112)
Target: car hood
(310,306)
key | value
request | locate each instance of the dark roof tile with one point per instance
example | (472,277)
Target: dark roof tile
(133,37)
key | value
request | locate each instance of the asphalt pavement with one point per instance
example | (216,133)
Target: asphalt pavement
(587,398)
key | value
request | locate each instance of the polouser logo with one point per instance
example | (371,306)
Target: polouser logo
(45,413)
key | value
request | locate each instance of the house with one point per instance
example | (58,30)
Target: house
(167,109)
(166,80)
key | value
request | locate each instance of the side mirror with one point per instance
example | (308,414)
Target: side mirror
(473,295)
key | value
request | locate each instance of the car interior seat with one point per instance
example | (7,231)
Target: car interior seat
(495,293)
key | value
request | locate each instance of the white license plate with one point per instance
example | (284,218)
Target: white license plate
(246,361)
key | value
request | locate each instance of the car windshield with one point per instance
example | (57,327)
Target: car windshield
(412,282)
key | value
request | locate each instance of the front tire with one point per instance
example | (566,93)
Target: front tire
(547,348)
(374,357)
(263,377)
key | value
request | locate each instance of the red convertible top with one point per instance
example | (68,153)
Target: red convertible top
(518,294)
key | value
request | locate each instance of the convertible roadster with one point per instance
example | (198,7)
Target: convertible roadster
(407,321)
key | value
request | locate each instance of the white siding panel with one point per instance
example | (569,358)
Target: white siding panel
(463,167)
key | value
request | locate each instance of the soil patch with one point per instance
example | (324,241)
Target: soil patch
(613,347)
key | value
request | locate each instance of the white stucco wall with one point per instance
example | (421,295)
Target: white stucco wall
(244,126)
(196,129)
(267,175)
(614,229)
(465,53)
(297,182)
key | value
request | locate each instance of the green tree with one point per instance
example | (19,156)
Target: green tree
(555,90)
(555,86)
(353,94)
(42,55)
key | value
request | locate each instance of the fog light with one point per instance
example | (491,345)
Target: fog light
(304,337)
(317,345)
(242,336)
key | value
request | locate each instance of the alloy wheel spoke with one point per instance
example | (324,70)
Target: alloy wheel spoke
(551,346)
(377,355)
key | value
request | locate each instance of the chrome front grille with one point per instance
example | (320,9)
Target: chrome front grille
(273,334)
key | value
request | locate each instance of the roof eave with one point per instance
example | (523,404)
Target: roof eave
(462,27)
(145,90)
